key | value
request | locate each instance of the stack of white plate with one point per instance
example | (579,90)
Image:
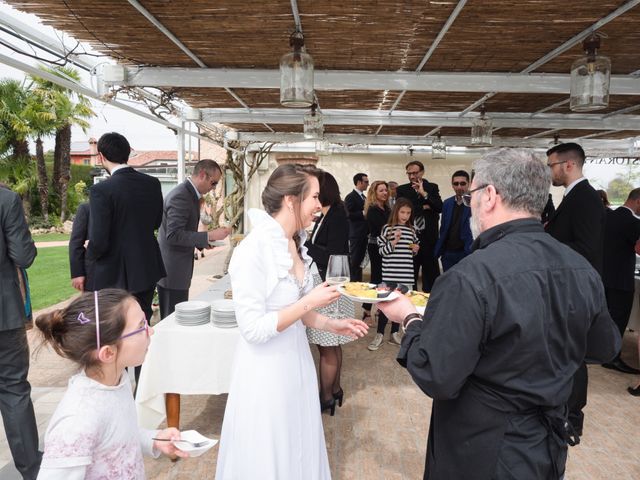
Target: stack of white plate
(223,313)
(193,313)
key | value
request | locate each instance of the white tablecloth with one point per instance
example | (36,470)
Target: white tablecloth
(185,360)
(634,318)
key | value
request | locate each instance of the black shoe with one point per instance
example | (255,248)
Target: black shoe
(634,391)
(328,405)
(338,396)
(620,366)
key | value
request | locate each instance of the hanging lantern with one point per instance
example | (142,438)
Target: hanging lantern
(481,130)
(590,79)
(438,148)
(313,128)
(296,75)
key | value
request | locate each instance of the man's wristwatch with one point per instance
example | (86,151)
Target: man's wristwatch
(412,317)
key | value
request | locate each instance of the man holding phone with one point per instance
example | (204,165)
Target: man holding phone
(427,205)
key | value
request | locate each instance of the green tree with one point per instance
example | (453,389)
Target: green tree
(14,127)
(70,109)
(619,188)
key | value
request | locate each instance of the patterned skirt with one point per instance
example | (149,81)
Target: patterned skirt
(323,338)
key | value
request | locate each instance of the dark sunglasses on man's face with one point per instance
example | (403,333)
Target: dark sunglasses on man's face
(459,184)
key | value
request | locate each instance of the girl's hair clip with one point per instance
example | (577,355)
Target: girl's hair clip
(83,319)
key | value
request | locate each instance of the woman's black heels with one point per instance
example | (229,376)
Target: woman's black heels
(328,405)
(634,391)
(338,397)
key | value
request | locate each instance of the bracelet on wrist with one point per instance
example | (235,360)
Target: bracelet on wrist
(412,317)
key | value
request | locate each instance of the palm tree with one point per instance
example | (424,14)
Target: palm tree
(14,128)
(70,108)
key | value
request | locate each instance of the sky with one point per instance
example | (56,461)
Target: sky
(147,135)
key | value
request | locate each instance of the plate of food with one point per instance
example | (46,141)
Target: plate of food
(217,243)
(419,299)
(367,292)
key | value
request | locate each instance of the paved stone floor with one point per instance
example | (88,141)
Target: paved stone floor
(380,432)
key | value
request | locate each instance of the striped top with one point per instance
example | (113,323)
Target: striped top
(397,262)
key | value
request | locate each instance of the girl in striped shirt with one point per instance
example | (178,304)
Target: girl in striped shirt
(397,243)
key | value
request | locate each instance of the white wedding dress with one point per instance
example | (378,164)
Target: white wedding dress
(272,428)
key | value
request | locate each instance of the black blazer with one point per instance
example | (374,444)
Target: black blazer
(431,216)
(126,210)
(79,263)
(621,232)
(578,222)
(354,204)
(332,238)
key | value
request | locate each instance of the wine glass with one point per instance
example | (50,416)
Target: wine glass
(337,274)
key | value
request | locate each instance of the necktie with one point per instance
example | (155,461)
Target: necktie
(363,197)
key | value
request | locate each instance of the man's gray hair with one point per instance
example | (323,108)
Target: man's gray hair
(207,165)
(518,175)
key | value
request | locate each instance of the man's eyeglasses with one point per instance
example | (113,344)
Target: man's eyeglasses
(459,184)
(145,328)
(466,198)
(556,163)
(414,172)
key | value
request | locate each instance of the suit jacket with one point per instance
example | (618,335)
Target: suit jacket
(178,236)
(465,227)
(354,204)
(332,238)
(126,210)
(16,250)
(79,262)
(432,216)
(579,223)
(622,230)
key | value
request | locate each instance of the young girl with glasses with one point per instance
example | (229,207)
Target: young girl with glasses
(93,432)
(397,244)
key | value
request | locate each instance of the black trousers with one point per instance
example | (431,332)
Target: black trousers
(144,300)
(169,298)
(427,262)
(357,249)
(619,304)
(15,403)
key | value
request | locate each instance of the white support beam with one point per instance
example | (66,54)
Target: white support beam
(369,80)
(426,119)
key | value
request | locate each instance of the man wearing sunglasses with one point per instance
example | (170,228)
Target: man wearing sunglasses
(455,238)
(178,235)
(504,332)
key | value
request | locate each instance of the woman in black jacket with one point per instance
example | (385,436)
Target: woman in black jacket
(330,237)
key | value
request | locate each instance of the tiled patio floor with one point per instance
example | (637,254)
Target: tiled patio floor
(380,432)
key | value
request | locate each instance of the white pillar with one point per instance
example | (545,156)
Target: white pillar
(181,167)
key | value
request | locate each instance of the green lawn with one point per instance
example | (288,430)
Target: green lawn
(49,277)
(51,237)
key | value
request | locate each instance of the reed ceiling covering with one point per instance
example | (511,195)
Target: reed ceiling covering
(527,37)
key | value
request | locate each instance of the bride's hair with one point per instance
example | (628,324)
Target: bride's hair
(288,179)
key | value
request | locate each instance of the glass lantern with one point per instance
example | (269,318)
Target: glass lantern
(323,148)
(296,75)
(481,130)
(438,148)
(590,79)
(313,128)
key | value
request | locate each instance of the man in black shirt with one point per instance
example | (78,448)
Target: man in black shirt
(455,238)
(504,332)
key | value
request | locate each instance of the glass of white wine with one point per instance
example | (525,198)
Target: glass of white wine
(337,274)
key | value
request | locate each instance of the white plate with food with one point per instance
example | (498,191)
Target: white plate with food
(419,299)
(366,292)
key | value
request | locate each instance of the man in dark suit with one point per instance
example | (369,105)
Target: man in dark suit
(125,211)
(579,223)
(427,205)
(80,265)
(455,238)
(358,230)
(178,234)
(622,231)
(17,250)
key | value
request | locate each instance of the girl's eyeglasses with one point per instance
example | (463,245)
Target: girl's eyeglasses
(145,328)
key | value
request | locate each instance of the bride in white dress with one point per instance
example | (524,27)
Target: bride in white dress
(272,428)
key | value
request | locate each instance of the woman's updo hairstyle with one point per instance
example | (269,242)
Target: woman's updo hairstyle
(288,179)
(71,331)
